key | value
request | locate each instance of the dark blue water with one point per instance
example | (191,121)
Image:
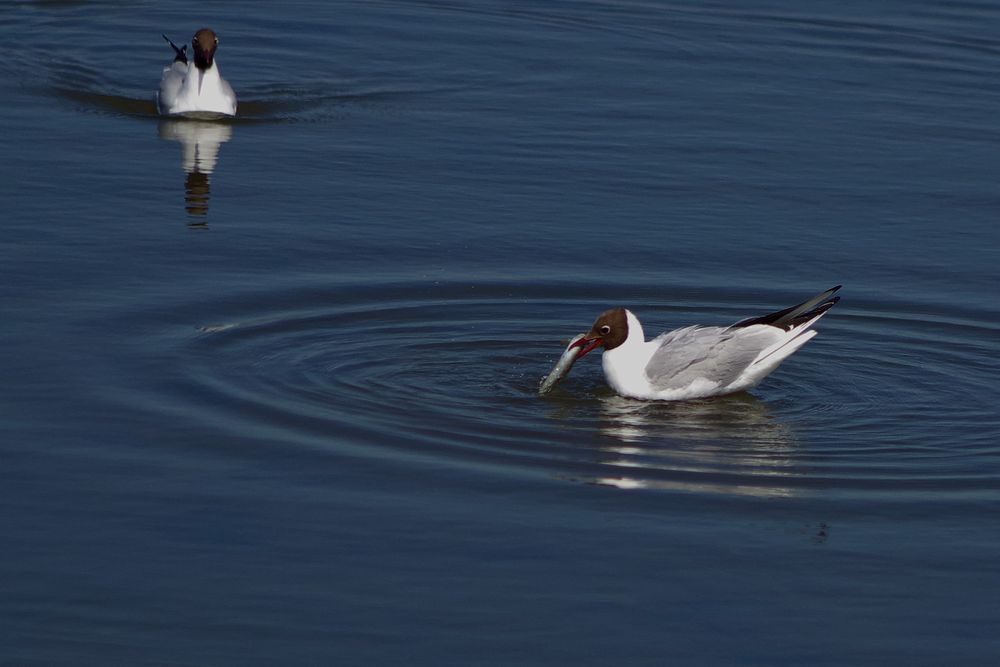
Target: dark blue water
(269,386)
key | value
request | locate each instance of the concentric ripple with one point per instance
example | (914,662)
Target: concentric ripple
(449,374)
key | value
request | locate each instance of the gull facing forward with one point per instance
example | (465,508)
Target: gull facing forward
(195,90)
(699,361)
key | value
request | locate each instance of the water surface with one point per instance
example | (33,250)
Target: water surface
(271,384)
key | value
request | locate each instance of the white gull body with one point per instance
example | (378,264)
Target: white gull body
(700,361)
(196,89)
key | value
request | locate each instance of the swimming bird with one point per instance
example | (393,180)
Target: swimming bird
(699,361)
(195,89)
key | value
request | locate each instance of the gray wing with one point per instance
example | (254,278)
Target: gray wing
(232,93)
(227,89)
(170,85)
(716,354)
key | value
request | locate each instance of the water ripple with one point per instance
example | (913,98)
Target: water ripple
(448,374)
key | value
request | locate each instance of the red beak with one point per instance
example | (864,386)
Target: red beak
(587,344)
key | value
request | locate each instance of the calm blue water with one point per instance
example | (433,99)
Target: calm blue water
(269,387)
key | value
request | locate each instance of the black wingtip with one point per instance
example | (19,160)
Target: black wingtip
(791,317)
(802,318)
(180,55)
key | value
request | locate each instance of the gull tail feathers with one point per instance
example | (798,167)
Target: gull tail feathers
(796,337)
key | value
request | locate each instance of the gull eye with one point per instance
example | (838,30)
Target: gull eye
(605,330)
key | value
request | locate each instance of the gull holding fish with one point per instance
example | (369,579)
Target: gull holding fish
(695,361)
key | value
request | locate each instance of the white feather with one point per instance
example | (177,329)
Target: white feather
(188,91)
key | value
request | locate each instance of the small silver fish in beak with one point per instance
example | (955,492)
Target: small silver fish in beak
(561,369)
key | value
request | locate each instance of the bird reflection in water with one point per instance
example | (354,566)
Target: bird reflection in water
(730,445)
(200,142)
